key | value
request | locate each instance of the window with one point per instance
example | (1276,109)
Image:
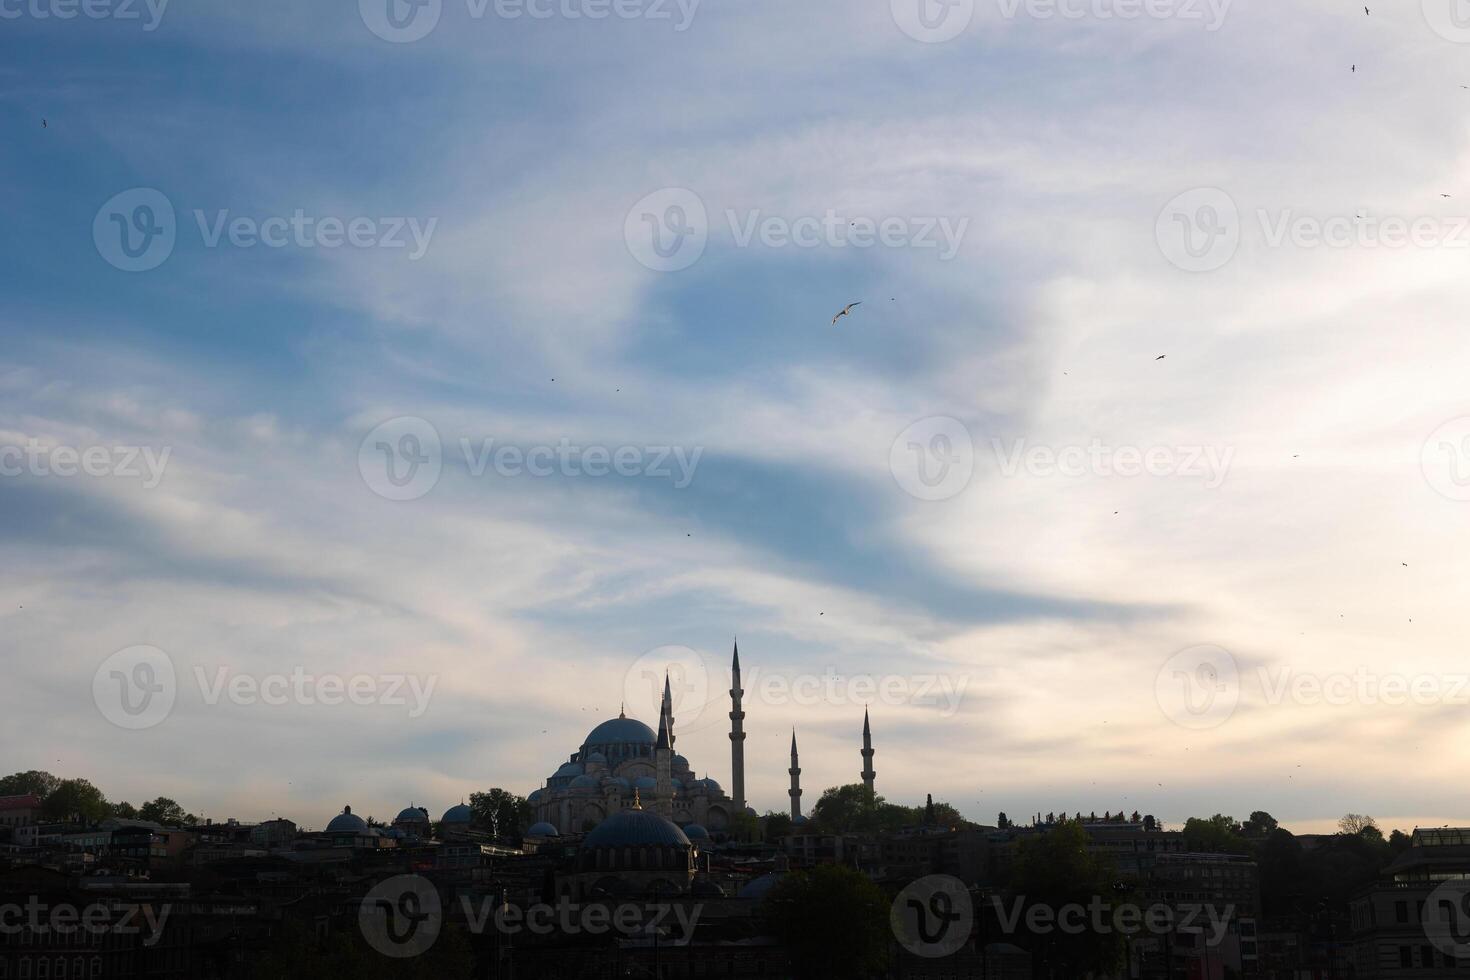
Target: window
(1406,957)
(1426,955)
(1401,912)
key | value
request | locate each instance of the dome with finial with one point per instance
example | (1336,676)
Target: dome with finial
(635,827)
(346,821)
(541,829)
(462,813)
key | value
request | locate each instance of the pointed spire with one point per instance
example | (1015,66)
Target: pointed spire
(736,664)
(793,743)
(866,729)
(621,706)
(663,732)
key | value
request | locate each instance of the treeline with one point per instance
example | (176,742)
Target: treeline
(68,800)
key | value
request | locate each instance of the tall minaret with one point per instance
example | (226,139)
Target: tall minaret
(737,735)
(795,791)
(663,761)
(868,772)
(667,710)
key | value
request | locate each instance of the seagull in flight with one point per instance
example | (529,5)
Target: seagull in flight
(1161,357)
(845,311)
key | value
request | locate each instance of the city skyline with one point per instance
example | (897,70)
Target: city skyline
(503,378)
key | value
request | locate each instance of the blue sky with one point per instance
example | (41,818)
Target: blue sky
(1328,379)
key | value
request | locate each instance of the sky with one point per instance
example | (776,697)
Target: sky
(389,391)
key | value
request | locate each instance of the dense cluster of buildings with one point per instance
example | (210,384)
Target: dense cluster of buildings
(625,825)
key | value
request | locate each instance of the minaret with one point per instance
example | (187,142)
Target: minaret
(663,760)
(737,735)
(795,791)
(868,772)
(668,709)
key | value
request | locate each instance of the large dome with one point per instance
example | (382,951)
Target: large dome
(620,731)
(346,821)
(460,813)
(635,828)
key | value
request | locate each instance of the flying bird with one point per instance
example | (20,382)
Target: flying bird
(1161,357)
(1444,195)
(43,124)
(845,311)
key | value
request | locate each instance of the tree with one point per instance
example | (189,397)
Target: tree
(33,781)
(1259,824)
(744,826)
(928,809)
(1357,823)
(75,800)
(125,810)
(1055,870)
(1002,822)
(162,810)
(1217,835)
(833,921)
(502,812)
(778,825)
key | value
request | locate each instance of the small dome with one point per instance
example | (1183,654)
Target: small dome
(412,814)
(645,782)
(597,757)
(618,782)
(635,828)
(680,763)
(459,814)
(585,781)
(345,821)
(711,785)
(394,833)
(542,829)
(750,812)
(568,770)
(695,832)
(759,887)
(535,795)
(799,821)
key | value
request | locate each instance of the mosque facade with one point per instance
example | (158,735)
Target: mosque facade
(622,759)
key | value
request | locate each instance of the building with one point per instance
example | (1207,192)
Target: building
(1393,932)
(18,811)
